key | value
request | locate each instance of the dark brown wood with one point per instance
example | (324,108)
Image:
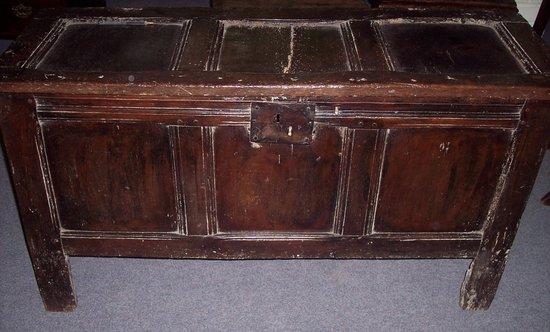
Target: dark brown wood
(446,49)
(116,46)
(541,22)
(530,141)
(275,133)
(22,139)
(280,47)
(262,247)
(231,4)
(276,187)
(456,170)
(503,4)
(191,163)
(365,154)
(112,177)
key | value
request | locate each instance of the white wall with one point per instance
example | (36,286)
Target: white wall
(529,9)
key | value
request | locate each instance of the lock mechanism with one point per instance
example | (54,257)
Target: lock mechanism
(281,123)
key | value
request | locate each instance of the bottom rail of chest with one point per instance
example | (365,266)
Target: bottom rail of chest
(219,247)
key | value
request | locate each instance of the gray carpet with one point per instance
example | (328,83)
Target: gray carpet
(304,295)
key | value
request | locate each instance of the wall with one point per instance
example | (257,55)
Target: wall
(529,9)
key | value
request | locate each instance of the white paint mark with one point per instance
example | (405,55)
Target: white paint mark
(286,69)
(256,145)
(289,131)
(445,147)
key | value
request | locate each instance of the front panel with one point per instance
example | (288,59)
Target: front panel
(276,187)
(439,180)
(112,176)
(204,172)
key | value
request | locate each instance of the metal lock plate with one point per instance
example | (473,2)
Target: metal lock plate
(281,123)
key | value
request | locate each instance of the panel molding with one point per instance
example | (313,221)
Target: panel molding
(517,50)
(500,29)
(470,223)
(353,62)
(273,236)
(362,160)
(376,180)
(175,149)
(58,28)
(348,139)
(81,207)
(209,172)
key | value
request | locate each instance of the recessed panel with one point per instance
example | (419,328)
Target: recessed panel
(447,48)
(276,187)
(439,180)
(267,47)
(112,177)
(94,46)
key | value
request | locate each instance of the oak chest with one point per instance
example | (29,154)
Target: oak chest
(322,133)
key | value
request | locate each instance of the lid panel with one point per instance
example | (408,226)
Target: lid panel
(311,44)
(125,46)
(249,48)
(447,48)
(280,47)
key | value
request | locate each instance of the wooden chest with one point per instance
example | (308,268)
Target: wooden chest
(322,133)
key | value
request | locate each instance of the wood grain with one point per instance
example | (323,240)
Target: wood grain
(30,177)
(114,176)
(276,187)
(439,180)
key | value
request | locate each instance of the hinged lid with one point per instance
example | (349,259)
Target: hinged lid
(280,55)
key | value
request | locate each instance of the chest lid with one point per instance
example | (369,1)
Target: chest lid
(246,49)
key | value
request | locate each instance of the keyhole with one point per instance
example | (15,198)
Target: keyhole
(278,118)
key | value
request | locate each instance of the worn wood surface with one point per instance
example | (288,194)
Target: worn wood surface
(543,17)
(530,142)
(457,174)
(500,4)
(231,4)
(242,134)
(124,169)
(31,181)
